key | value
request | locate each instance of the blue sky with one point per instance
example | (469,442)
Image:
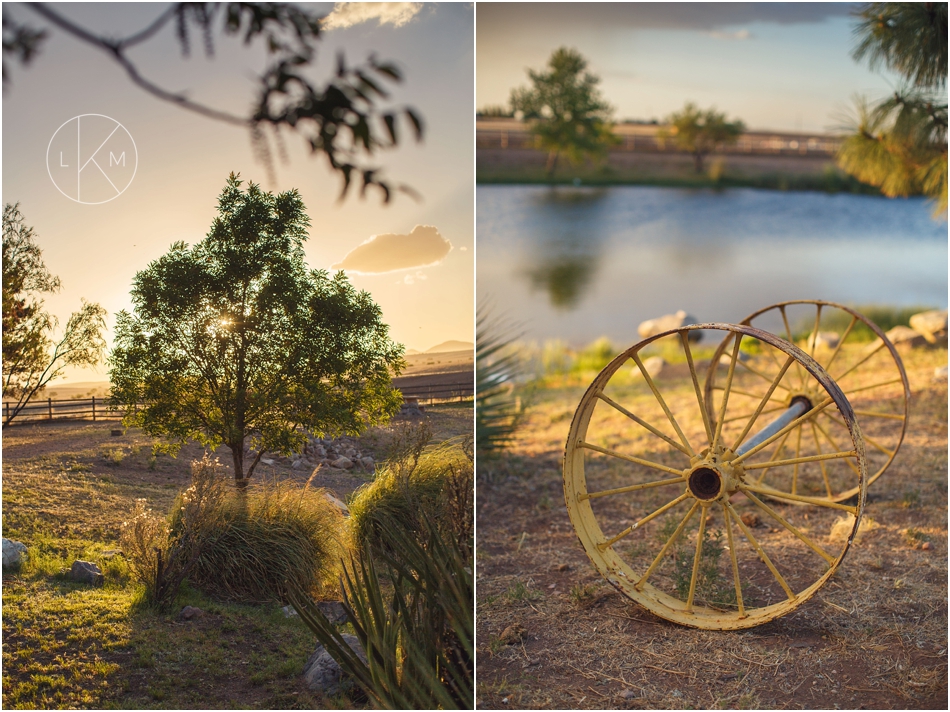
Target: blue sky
(776,66)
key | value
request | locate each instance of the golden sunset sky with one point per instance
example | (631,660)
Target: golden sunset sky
(184,160)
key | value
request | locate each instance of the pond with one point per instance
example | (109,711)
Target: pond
(576,264)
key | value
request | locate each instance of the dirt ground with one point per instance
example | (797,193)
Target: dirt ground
(67,488)
(553,634)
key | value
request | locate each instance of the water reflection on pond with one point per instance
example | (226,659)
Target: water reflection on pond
(578,263)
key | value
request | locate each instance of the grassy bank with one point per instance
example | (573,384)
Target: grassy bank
(676,170)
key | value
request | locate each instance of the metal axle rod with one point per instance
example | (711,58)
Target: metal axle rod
(798,408)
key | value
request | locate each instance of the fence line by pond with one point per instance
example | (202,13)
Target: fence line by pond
(97,408)
(646,139)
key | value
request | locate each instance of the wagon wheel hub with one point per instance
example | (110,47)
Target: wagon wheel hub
(715,478)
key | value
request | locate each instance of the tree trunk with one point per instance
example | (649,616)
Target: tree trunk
(552,162)
(237,455)
(698,158)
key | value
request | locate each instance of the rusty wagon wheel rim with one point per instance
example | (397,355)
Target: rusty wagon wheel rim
(769,574)
(883,425)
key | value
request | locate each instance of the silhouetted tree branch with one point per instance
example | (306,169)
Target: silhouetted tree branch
(341,120)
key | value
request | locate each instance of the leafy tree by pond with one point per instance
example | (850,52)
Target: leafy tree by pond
(235,341)
(31,358)
(567,113)
(900,143)
(701,132)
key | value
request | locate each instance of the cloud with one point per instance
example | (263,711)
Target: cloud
(347,14)
(422,247)
(721,35)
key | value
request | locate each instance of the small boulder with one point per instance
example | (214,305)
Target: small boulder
(652,365)
(339,504)
(86,572)
(14,552)
(901,335)
(652,327)
(289,611)
(190,613)
(822,340)
(302,464)
(513,634)
(323,674)
(342,463)
(751,519)
(334,611)
(319,451)
(932,325)
(940,373)
(368,464)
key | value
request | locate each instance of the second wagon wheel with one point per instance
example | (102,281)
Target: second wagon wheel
(860,359)
(667,504)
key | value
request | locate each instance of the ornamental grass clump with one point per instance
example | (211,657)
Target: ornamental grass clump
(416,490)
(266,537)
(162,551)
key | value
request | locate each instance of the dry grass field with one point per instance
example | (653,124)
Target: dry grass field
(67,488)
(552,633)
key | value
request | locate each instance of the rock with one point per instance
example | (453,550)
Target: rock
(334,611)
(940,373)
(930,324)
(653,366)
(342,463)
(628,694)
(339,503)
(289,611)
(563,567)
(926,546)
(190,613)
(267,461)
(319,451)
(902,335)
(512,634)
(302,464)
(652,327)
(823,340)
(110,553)
(751,519)
(369,464)
(323,674)
(14,552)
(86,572)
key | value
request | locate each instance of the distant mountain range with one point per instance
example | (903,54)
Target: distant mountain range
(451,346)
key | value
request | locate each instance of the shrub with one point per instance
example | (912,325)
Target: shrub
(415,489)
(161,556)
(261,540)
(595,356)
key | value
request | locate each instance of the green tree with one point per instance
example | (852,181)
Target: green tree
(568,115)
(235,341)
(900,143)
(31,359)
(701,132)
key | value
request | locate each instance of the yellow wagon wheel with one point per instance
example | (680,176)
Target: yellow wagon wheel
(668,506)
(860,359)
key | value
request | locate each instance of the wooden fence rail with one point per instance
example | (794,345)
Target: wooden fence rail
(97,407)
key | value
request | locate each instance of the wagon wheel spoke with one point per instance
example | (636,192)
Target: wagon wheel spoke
(630,458)
(874,443)
(699,396)
(796,460)
(824,468)
(787,429)
(814,333)
(835,445)
(844,337)
(775,456)
(765,399)
(696,559)
(791,340)
(630,488)
(794,530)
(765,378)
(725,392)
(669,542)
(633,527)
(735,562)
(663,405)
(818,502)
(643,423)
(747,416)
(761,552)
